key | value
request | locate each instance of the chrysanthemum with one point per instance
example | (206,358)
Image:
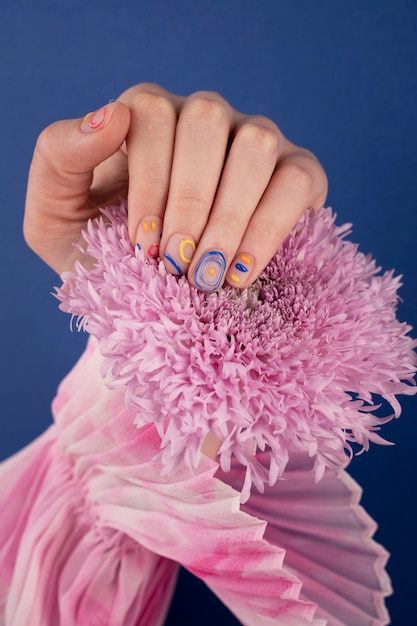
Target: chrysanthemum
(300,360)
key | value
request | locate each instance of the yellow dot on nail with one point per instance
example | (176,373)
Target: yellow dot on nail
(246,259)
(153,225)
(88,115)
(234,277)
(211,271)
(145,227)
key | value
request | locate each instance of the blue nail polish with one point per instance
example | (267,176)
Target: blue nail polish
(209,273)
(242,266)
(174,263)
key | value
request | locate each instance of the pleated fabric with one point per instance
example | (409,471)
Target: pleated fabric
(92,531)
(328,541)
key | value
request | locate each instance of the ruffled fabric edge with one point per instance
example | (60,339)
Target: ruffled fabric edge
(328,539)
(90,525)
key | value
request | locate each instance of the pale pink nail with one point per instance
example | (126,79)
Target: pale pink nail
(179,253)
(94,121)
(240,270)
(148,235)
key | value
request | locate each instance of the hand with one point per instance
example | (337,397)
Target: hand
(211,191)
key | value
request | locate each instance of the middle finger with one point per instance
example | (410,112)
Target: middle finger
(200,147)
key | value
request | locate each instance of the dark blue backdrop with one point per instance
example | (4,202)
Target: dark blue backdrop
(339,78)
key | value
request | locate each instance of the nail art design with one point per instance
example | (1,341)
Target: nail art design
(210,270)
(179,253)
(240,268)
(148,235)
(94,120)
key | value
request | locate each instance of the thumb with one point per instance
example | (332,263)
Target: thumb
(58,200)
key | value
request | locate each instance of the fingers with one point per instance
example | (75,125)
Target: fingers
(266,186)
(150,145)
(298,183)
(247,173)
(59,195)
(210,191)
(201,142)
(176,149)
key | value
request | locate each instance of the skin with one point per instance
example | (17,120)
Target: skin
(231,181)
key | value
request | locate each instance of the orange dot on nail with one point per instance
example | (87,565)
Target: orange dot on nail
(211,271)
(246,259)
(153,225)
(145,226)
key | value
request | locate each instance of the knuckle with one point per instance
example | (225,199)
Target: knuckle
(149,105)
(205,94)
(256,135)
(189,201)
(148,86)
(322,190)
(321,184)
(298,178)
(129,94)
(46,141)
(28,236)
(206,108)
(261,137)
(26,232)
(49,154)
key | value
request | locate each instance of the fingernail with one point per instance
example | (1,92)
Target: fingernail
(179,253)
(240,270)
(209,273)
(95,120)
(148,235)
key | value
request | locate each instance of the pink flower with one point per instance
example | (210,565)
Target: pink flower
(300,360)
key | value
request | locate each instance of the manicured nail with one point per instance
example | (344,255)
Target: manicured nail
(148,235)
(240,270)
(95,120)
(209,273)
(179,253)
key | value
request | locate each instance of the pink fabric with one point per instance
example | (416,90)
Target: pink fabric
(328,541)
(91,532)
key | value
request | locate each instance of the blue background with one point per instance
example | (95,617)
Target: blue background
(339,77)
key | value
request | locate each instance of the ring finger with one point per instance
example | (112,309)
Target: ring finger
(248,170)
